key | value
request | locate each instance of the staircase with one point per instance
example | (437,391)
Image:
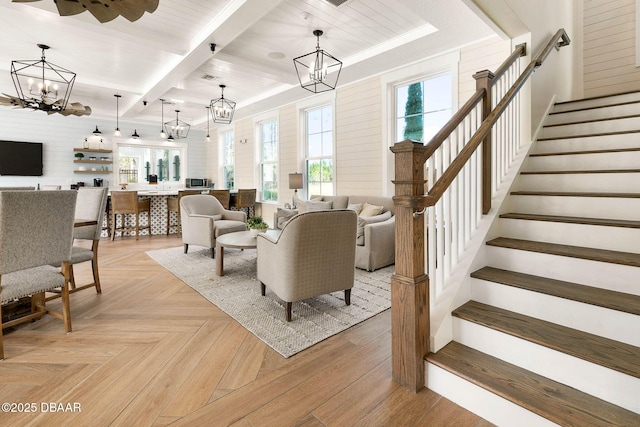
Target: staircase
(551,335)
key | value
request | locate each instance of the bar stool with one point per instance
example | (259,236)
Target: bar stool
(173,205)
(247,199)
(127,203)
(223,196)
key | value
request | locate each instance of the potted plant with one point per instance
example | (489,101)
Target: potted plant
(257,225)
(79,156)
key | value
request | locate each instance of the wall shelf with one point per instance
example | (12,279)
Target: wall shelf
(92,172)
(92,150)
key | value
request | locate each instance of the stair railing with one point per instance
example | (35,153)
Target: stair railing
(460,182)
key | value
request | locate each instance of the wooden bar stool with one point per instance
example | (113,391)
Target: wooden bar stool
(247,199)
(127,203)
(173,205)
(223,196)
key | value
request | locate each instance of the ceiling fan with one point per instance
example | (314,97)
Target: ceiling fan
(104,10)
(72,108)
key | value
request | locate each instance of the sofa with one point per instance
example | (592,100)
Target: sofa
(375,238)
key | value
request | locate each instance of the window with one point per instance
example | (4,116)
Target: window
(269,160)
(423,108)
(136,163)
(228,160)
(319,150)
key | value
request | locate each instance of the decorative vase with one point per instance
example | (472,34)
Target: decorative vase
(254,231)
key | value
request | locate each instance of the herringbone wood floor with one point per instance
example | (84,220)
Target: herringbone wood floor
(150,351)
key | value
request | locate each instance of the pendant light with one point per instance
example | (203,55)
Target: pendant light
(162,133)
(117,132)
(222,109)
(318,71)
(135,135)
(97,132)
(208,138)
(177,128)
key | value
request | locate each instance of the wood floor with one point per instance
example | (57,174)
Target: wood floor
(150,351)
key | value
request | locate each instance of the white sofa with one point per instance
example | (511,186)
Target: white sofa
(375,245)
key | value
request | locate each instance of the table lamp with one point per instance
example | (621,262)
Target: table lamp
(295,182)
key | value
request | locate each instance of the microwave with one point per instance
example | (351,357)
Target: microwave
(197,182)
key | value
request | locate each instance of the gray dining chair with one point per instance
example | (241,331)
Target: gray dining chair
(36,229)
(90,205)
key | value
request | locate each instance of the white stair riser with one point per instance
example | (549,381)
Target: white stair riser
(594,114)
(596,102)
(490,406)
(597,207)
(573,162)
(584,182)
(590,236)
(591,128)
(589,318)
(598,381)
(615,277)
(623,140)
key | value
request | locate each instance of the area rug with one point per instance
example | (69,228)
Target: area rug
(237,293)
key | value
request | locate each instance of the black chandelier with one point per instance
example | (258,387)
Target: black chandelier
(318,71)
(177,128)
(222,109)
(41,85)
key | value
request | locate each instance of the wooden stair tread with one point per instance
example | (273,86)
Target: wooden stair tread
(555,172)
(621,357)
(595,107)
(602,255)
(604,119)
(547,398)
(576,194)
(573,220)
(622,132)
(570,153)
(612,300)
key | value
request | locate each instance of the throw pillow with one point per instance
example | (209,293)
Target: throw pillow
(284,215)
(357,207)
(319,206)
(302,204)
(371,210)
(362,221)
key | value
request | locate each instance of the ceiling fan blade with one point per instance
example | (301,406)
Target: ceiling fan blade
(23,1)
(69,8)
(150,5)
(102,12)
(132,10)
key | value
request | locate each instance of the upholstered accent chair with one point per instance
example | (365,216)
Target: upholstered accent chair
(313,255)
(36,229)
(204,219)
(90,205)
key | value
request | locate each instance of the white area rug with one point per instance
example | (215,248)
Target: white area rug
(237,293)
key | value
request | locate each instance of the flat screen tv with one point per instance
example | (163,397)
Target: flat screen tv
(20,158)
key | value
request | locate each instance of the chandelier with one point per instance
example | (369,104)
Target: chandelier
(318,71)
(222,109)
(41,85)
(177,128)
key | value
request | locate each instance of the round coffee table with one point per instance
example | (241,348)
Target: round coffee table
(237,240)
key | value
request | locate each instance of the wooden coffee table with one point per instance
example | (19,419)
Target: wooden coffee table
(237,240)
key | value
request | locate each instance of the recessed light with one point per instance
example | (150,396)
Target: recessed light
(276,55)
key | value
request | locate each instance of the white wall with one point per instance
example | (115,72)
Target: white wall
(610,47)
(60,135)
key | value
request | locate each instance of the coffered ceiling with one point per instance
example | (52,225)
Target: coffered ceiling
(167,54)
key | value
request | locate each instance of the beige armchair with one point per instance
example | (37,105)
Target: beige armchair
(313,255)
(204,219)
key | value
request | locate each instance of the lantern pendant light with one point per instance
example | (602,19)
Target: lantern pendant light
(318,71)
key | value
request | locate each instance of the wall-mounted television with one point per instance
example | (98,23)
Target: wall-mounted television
(20,158)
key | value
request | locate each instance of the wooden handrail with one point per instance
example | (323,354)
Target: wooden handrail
(519,51)
(449,175)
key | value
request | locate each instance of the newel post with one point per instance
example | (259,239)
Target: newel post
(409,284)
(484,80)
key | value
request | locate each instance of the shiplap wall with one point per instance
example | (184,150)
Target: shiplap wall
(60,135)
(609,47)
(486,55)
(359,138)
